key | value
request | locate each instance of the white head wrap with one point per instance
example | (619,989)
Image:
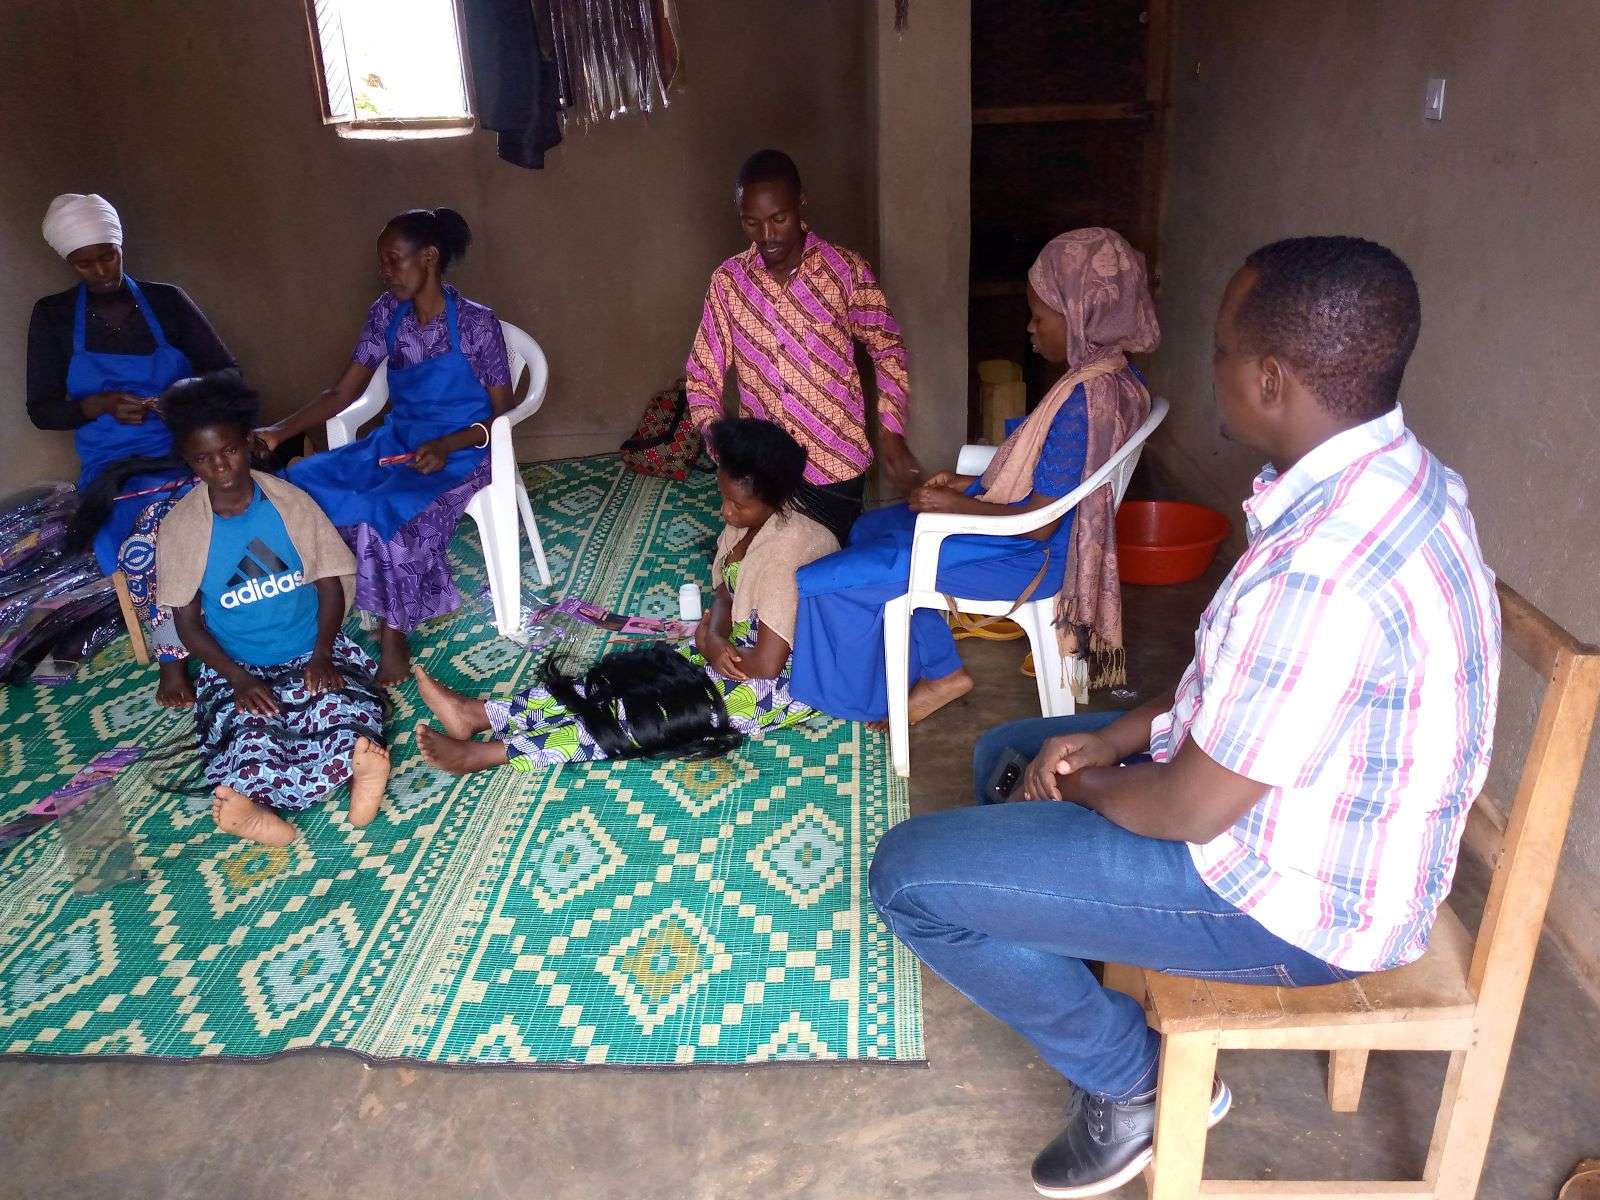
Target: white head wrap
(73,222)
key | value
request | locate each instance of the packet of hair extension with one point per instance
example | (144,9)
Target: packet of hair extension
(95,843)
(76,646)
(664,628)
(33,519)
(69,795)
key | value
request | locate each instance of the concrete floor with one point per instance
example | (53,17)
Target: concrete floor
(966,1126)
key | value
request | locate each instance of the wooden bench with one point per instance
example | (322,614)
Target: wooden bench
(1463,996)
(130,618)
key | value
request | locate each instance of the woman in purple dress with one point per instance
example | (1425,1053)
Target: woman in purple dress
(448,378)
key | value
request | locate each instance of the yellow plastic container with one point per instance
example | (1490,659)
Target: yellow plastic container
(1002,396)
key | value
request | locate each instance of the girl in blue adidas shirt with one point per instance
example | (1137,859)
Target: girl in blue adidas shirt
(259,582)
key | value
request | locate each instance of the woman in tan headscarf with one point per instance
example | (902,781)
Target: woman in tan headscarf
(1090,306)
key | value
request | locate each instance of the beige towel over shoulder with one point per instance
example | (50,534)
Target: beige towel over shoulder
(184,542)
(767,590)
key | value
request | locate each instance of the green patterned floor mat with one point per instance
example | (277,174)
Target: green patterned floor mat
(646,913)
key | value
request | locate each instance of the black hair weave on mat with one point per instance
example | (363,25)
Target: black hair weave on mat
(646,702)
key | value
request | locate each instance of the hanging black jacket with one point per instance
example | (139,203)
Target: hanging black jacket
(516,88)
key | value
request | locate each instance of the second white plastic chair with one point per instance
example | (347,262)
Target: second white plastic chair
(1058,679)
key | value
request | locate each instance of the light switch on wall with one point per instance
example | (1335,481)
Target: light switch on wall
(1433,100)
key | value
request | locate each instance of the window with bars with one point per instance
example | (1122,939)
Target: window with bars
(390,68)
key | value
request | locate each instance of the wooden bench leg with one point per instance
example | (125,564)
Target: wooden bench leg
(130,618)
(1466,1117)
(1183,1102)
(1120,977)
(1347,1070)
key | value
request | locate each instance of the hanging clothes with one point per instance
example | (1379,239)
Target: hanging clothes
(614,56)
(518,96)
(106,440)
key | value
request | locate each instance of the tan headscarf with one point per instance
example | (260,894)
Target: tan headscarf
(1097,281)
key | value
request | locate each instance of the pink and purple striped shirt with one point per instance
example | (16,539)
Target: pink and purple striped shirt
(1351,663)
(789,343)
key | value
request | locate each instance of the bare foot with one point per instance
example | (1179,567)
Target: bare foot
(236,813)
(930,695)
(369,777)
(460,715)
(176,689)
(456,755)
(394,656)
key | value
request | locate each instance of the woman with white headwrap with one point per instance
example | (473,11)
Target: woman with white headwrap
(99,354)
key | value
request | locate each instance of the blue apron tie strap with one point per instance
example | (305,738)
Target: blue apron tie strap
(390,334)
(450,321)
(156,331)
(80,311)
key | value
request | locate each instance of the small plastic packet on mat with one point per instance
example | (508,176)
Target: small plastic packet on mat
(95,844)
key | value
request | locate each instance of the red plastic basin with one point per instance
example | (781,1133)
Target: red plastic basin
(1167,541)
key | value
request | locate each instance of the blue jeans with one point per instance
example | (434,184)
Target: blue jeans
(1008,903)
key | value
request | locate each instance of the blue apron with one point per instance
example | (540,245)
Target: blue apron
(426,400)
(106,440)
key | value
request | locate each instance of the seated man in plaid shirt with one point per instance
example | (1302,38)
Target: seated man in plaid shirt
(1309,778)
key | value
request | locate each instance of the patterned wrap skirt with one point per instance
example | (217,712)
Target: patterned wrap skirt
(296,757)
(137,562)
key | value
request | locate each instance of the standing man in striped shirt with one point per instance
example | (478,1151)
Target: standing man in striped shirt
(784,316)
(1290,814)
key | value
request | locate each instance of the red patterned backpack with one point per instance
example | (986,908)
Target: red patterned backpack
(666,443)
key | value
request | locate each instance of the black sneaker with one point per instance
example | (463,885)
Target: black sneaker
(1105,1144)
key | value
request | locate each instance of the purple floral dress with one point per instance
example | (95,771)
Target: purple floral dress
(405,580)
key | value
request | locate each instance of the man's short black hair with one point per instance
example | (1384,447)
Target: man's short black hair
(1343,312)
(768,166)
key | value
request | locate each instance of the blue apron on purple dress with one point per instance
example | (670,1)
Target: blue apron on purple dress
(106,440)
(426,400)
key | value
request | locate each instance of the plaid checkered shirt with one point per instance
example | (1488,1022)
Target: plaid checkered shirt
(1350,662)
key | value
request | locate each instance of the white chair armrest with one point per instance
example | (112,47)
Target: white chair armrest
(523,352)
(974,459)
(343,427)
(933,528)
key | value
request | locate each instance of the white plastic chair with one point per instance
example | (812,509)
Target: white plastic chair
(497,507)
(1057,689)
